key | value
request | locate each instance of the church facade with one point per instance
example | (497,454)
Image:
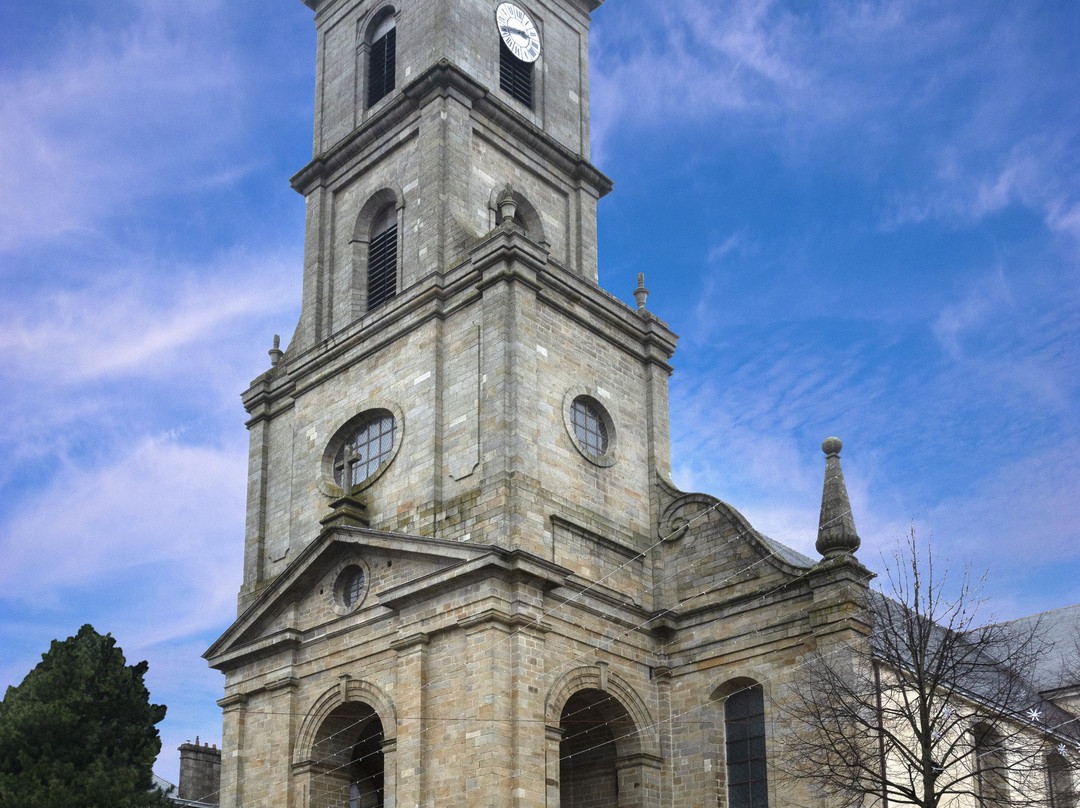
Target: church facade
(468,579)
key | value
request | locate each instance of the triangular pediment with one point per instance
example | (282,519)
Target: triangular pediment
(303,600)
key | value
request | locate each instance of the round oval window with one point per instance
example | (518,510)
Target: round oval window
(350,586)
(365,448)
(590,428)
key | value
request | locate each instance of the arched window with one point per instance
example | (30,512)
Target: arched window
(381,57)
(991,766)
(1060,782)
(744,748)
(382,258)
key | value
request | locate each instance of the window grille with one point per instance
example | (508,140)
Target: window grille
(364,450)
(744,730)
(382,267)
(381,67)
(589,426)
(351,585)
(515,76)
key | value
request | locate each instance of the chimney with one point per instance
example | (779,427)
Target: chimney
(200,772)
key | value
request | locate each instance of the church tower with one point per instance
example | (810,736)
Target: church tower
(467,577)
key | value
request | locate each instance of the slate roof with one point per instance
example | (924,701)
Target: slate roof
(1058,668)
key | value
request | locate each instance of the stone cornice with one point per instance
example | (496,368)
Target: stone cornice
(505,256)
(442,79)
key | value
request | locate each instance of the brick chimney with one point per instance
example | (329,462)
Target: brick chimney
(200,772)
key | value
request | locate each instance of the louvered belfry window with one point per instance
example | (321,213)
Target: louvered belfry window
(381,65)
(515,76)
(382,263)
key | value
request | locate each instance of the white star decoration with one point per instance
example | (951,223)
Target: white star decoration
(1061,749)
(1034,714)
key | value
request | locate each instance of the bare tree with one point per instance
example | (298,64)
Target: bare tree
(933,704)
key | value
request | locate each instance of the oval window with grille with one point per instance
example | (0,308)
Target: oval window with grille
(365,448)
(349,588)
(590,427)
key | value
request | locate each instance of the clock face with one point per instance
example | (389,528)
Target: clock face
(518,32)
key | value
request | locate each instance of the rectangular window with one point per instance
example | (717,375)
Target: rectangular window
(382,268)
(381,66)
(515,76)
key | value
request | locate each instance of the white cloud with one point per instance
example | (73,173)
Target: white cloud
(134,321)
(983,302)
(691,61)
(115,115)
(127,354)
(159,514)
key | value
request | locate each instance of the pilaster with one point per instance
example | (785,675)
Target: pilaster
(410,696)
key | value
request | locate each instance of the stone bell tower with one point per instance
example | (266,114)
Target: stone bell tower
(450,308)
(467,578)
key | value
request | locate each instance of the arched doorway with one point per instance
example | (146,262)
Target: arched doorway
(594,727)
(348,759)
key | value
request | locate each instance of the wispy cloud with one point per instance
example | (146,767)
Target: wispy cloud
(111,116)
(93,522)
(135,320)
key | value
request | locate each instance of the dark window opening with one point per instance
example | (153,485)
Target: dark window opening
(588,769)
(744,730)
(381,67)
(382,264)
(515,76)
(350,760)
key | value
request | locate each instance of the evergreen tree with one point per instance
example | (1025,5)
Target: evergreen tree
(79,731)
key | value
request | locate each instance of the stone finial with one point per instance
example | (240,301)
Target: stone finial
(641,294)
(507,204)
(836,527)
(276,353)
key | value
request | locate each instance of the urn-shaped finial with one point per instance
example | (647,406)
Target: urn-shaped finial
(836,526)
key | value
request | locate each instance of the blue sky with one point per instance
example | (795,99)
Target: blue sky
(862,219)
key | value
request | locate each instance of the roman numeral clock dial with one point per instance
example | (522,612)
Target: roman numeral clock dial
(518,32)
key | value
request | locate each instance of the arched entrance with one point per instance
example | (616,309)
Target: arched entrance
(347,759)
(597,733)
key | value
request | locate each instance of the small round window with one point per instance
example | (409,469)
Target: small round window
(590,428)
(350,586)
(365,448)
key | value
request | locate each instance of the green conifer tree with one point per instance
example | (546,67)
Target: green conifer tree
(79,731)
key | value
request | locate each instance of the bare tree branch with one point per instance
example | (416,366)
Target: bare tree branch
(932,705)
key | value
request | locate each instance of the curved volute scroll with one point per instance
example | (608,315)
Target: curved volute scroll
(836,526)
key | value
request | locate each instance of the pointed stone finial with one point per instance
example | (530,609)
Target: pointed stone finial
(836,527)
(507,205)
(276,353)
(641,294)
